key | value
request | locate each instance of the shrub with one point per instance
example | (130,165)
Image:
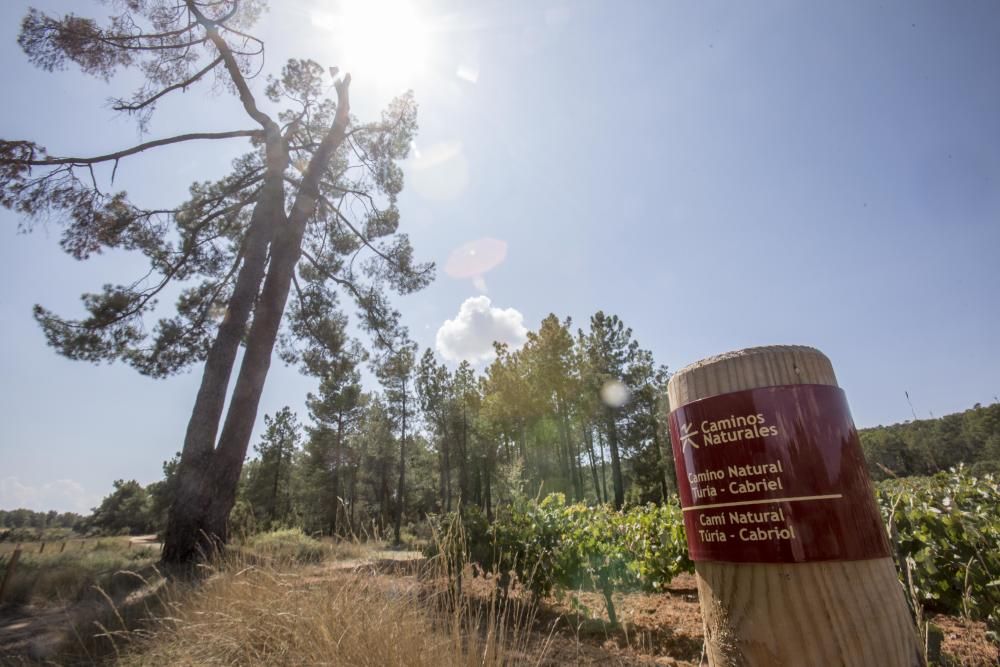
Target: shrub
(552,546)
(655,540)
(288,545)
(946,531)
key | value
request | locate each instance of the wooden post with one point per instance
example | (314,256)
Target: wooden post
(62,548)
(41,549)
(10,570)
(781,586)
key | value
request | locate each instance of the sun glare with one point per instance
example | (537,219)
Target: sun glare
(383,41)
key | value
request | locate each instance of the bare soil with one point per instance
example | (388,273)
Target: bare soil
(965,641)
(654,629)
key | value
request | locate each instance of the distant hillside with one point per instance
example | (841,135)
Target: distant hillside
(926,446)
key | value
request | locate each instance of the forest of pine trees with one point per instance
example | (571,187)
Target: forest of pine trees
(572,411)
(575,411)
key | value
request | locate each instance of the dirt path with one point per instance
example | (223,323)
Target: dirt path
(654,629)
(145,541)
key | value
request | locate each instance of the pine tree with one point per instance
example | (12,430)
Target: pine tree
(297,210)
(270,486)
(395,372)
(336,410)
(608,349)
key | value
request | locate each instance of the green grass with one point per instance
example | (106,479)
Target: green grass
(288,546)
(56,576)
(74,543)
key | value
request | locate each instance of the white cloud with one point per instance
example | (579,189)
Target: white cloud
(471,334)
(63,495)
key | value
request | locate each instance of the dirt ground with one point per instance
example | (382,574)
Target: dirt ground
(661,629)
(966,641)
(655,629)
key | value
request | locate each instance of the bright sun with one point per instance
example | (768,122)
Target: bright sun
(382,41)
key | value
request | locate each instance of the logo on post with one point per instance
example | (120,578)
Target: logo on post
(687,437)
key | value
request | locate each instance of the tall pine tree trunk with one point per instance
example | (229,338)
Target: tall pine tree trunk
(616,464)
(400,494)
(236,430)
(202,518)
(184,537)
(335,482)
(572,460)
(588,435)
(274,490)
(463,467)
(490,466)
(352,520)
(604,473)
(445,468)
(660,463)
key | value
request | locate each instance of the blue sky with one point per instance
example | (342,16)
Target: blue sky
(719,175)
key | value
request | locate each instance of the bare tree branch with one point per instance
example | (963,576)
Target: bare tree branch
(81,161)
(121,106)
(226,53)
(351,287)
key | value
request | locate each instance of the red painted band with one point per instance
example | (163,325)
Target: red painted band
(775,475)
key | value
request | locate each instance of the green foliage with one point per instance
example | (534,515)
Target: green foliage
(927,446)
(16,535)
(127,511)
(25,518)
(161,494)
(289,545)
(242,522)
(73,574)
(270,478)
(528,540)
(655,540)
(946,531)
(551,546)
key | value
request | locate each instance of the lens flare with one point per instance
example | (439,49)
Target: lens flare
(614,394)
(439,172)
(475,258)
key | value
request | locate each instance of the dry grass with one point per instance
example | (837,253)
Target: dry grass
(285,599)
(315,615)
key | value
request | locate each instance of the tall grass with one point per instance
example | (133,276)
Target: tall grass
(277,600)
(280,616)
(71,576)
(290,545)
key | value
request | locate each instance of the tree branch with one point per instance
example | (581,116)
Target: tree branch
(306,319)
(359,297)
(183,84)
(305,202)
(81,161)
(362,237)
(226,53)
